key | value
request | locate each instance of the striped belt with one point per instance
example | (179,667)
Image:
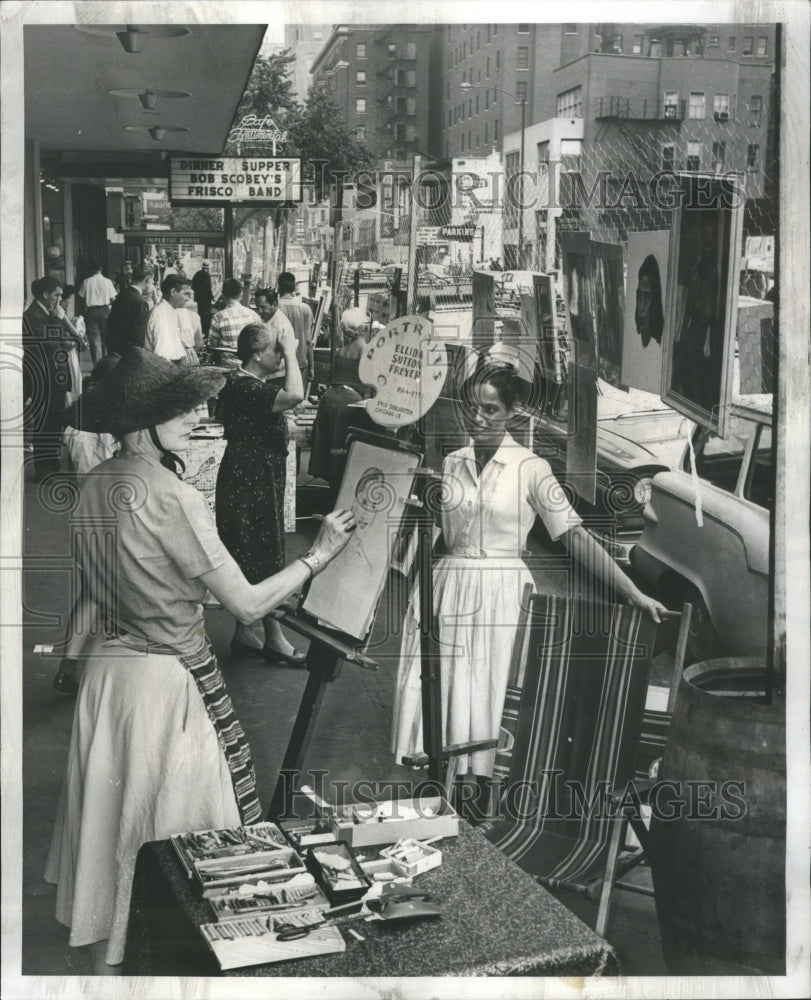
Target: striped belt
(473,552)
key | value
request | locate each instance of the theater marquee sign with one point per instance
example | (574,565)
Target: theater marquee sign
(234,180)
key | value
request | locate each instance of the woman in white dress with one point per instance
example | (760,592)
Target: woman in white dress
(494,489)
(156,748)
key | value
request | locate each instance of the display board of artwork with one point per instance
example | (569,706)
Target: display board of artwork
(756,346)
(702,298)
(576,253)
(378,479)
(645,316)
(607,290)
(581,443)
(484,309)
(551,351)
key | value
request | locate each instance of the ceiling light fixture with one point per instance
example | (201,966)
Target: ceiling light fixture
(157,132)
(133,36)
(150,97)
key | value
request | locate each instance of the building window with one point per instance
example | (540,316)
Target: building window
(488,34)
(543,152)
(411,78)
(720,107)
(486,99)
(719,155)
(411,50)
(616,43)
(360,133)
(392,50)
(411,106)
(448,89)
(360,106)
(498,61)
(485,133)
(360,50)
(755,109)
(696,105)
(477,103)
(521,90)
(747,45)
(694,156)
(360,77)
(569,29)
(464,49)
(732,43)
(495,30)
(713,42)
(570,103)
(671,103)
(523,57)
(668,156)
(523,29)
(570,150)
(762,45)
(636,46)
(752,151)
(487,67)
(463,142)
(495,130)
(399,132)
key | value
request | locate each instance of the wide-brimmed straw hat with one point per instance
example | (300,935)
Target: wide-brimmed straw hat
(141,391)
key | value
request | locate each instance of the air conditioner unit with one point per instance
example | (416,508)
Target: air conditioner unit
(722,116)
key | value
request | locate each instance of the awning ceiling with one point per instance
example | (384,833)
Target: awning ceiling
(68,75)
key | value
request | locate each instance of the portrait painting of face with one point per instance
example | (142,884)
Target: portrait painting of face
(646,259)
(576,249)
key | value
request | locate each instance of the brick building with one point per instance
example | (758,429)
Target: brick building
(380,77)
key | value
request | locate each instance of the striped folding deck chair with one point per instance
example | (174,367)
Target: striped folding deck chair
(570,728)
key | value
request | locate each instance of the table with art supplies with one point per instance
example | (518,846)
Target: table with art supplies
(402,888)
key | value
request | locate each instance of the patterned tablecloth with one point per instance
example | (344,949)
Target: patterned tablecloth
(496,921)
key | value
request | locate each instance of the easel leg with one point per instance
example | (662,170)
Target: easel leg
(324,665)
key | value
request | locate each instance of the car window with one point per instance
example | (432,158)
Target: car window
(759,485)
(719,460)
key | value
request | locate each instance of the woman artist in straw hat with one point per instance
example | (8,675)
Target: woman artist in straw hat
(156,748)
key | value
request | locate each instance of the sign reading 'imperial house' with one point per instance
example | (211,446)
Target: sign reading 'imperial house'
(234,180)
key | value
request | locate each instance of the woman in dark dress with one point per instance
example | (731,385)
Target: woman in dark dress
(250,482)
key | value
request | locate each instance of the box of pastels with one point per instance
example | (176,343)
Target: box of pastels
(365,824)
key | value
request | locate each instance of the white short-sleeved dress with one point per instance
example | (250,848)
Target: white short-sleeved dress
(477,595)
(144,760)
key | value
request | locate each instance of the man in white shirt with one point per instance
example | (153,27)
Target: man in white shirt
(163,335)
(228,323)
(301,319)
(98,292)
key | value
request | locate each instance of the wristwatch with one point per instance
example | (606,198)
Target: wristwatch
(313,562)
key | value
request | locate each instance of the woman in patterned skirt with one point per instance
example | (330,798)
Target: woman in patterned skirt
(156,748)
(250,482)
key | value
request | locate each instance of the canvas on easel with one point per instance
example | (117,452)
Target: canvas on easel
(378,479)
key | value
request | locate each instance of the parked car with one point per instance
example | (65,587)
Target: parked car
(722,566)
(633,445)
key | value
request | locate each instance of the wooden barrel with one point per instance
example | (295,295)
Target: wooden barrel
(717,837)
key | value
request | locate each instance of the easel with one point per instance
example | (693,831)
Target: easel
(328,649)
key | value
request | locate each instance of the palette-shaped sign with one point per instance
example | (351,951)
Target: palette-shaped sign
(407,366)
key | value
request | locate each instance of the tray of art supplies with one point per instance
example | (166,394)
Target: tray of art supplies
(259,896)
(268,938)
(217,858)
(337,872)
(367,823)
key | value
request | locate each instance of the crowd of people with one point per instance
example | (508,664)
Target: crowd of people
(156,747)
